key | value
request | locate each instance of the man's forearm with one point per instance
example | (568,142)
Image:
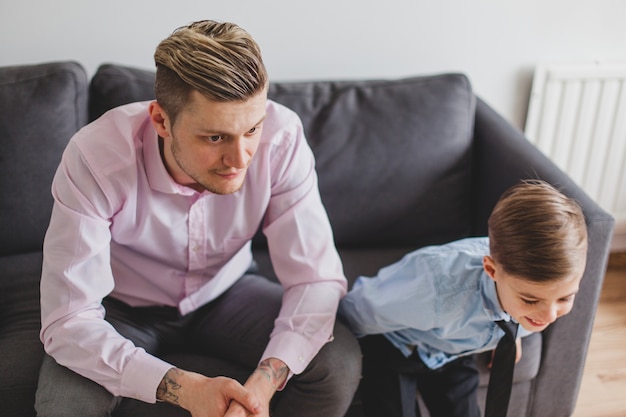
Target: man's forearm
(274,370)
(168,389)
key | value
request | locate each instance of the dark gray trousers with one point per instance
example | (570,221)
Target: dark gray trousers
(225,337)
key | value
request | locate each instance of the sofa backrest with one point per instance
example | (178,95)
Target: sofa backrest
(41,107)
(115,85)
(393,156)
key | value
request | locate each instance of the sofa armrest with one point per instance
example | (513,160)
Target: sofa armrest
(503,156)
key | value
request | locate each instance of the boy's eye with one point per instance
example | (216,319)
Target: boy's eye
(529,302)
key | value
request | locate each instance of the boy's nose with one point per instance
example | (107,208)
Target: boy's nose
(549,314)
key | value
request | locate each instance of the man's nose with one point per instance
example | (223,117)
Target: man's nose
(237,155)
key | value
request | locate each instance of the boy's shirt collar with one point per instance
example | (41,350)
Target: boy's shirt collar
(491,304)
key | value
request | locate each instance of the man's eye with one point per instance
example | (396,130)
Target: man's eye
(529,302)
(251,131)
(215,138)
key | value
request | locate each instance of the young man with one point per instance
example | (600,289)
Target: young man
(421,318)
(148,249)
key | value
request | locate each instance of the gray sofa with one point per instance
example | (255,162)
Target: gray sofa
(401,164)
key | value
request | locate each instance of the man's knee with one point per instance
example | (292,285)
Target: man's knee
(338,364)
(62,392)
(327,386)
(347,355)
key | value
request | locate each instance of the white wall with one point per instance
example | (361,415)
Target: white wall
(497,43)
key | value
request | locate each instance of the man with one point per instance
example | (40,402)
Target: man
(148,249)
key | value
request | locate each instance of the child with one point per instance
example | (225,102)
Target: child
(420,319)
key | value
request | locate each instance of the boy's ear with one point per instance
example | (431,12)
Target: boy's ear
(489,265)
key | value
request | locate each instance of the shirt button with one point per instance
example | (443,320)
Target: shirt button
(300,358)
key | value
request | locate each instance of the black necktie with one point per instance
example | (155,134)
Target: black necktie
(501,379)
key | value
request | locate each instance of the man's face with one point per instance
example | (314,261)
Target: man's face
(211,144)
(534,305)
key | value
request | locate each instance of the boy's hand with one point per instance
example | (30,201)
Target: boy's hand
(518,349)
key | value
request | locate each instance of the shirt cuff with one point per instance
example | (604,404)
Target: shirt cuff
(293,349)
(142,376)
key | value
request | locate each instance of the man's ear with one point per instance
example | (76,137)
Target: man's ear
(489,265)
(159,120)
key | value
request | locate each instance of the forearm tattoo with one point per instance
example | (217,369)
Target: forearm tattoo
(168,387)
(276,372)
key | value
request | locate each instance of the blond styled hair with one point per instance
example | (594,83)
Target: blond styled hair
(537,233)
(219,60)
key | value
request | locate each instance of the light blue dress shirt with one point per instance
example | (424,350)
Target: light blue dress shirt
(437,299)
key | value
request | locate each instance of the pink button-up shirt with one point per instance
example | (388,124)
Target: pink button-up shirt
(121,226)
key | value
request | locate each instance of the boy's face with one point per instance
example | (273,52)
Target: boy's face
(212,143)
(534,305)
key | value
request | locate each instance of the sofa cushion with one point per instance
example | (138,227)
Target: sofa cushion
(387,151)
(41,106)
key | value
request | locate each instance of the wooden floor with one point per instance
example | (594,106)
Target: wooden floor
(603,388)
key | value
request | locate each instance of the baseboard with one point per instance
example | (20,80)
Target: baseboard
(617,260)
(618,244)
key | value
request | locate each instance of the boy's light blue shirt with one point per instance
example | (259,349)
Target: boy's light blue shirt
(437,299)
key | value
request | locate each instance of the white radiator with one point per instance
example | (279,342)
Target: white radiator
(577,116)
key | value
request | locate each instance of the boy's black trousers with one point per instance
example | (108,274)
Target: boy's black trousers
(391,381)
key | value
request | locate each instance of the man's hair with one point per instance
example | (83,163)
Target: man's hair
(537,233)
(219,60)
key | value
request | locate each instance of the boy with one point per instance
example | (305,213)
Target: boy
(420,319)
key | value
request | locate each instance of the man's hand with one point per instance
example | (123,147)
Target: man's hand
(270,375)
(206,397)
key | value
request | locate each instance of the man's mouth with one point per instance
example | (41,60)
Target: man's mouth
(229,175)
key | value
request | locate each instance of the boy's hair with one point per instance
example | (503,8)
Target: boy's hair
(537,233)
(219,60)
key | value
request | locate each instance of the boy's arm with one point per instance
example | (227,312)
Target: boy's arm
(393,300)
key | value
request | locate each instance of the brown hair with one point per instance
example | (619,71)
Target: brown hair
(537,233)
(219,60)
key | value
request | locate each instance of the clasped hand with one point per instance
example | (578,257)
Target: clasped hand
(221,396)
